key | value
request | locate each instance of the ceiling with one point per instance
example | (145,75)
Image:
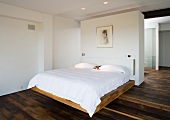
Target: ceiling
(93,8)
(160,20)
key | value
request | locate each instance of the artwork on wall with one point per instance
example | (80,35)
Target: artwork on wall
(104,36)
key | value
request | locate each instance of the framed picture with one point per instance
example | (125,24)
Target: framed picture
(104,36)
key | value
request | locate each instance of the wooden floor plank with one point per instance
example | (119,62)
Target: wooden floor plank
(153,95)
(122,113)
(149,101)
(135,112)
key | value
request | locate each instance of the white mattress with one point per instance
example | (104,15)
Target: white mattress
(82,86)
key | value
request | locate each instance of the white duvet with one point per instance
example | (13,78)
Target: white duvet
(82,86)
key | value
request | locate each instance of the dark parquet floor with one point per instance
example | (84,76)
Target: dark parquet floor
(149,101)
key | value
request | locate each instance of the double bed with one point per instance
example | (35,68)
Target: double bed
(83,88)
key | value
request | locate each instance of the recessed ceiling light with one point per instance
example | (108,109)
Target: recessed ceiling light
(105,3)
(83,8)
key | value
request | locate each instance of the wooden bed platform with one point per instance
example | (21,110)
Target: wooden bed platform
(105,100)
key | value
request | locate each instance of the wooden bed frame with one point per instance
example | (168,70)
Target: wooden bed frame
(105,100)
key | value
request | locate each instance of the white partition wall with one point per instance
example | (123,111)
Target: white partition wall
(128,39)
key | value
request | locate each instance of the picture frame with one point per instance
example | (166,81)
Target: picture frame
(104,36)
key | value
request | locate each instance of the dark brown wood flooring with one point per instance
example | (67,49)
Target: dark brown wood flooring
(149,101)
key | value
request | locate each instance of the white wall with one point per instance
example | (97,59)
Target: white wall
(20,13)
(164,40)
(164,48)
(46,23)
(140,55)
(18,54)
(128,30)
(66,42)
(164,26)
(19,19)
(154,49)
(48,41)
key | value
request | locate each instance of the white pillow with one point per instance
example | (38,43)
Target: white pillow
(113,68)
(85,65)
